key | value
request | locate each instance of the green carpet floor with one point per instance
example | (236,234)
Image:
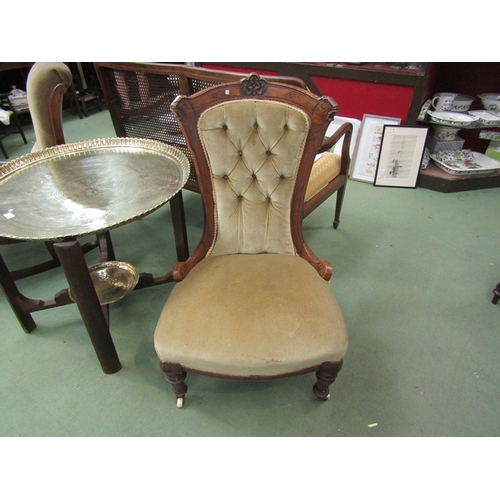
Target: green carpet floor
(413,273)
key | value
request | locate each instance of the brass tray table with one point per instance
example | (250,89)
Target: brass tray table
(77,189)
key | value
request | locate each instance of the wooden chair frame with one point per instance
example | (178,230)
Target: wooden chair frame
(321,110)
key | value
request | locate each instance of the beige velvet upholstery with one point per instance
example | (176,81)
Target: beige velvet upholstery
(271,314)
(42,78)
(254,149)
(253,301)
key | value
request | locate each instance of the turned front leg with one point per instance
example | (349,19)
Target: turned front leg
(175,376)
(325,376)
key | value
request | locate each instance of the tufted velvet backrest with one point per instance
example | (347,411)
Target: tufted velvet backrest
(253,149)
(254,143)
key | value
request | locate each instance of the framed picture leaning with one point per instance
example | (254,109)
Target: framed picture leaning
(365,157)
(400,156)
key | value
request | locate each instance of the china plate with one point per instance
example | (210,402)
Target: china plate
(112,280)
(487,118)
(481,164)
(452,119)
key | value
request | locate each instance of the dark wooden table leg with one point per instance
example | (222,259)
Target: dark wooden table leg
(106,246)
(180,230)
(15,298)
(83,292)
(496,294)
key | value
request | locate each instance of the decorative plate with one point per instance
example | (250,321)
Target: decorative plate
(452,119)
(465,162)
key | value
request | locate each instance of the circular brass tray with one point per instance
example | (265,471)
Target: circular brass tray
(112,280)
(86,187)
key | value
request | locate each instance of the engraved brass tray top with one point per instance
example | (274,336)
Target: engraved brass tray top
(85,187)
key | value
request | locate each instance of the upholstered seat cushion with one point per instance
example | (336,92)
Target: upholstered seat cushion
(251,315)
(324,170)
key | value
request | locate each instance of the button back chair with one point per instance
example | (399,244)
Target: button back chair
(46,84)
(252,301)
(138,96)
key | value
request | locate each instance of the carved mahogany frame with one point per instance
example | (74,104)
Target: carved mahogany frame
(321,111)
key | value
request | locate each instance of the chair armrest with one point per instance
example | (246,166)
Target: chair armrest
(344,131)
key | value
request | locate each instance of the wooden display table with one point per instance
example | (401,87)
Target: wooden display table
(435,179)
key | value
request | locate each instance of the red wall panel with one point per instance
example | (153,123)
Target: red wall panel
(355,98)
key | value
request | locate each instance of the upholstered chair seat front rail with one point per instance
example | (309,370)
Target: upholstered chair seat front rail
(263,315)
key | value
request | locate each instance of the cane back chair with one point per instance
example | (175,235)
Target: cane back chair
(252,301)
(139,95)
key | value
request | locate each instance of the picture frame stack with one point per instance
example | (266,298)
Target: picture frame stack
(387,153)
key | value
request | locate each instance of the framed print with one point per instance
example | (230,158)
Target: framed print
(400,156)
(364,162)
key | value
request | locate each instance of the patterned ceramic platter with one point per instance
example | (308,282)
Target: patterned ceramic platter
(452,119)
(465,162)
(86,187)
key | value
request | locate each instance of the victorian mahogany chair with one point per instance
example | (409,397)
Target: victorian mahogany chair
(138,96)
(253,301)
(46,84)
